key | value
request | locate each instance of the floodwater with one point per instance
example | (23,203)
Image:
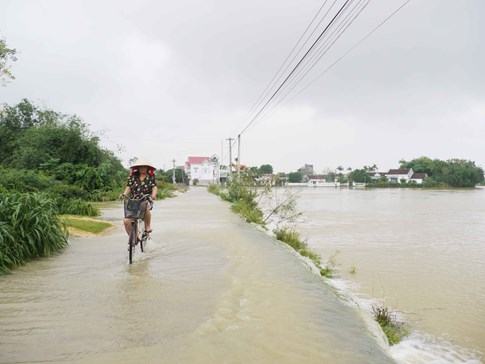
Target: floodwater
(210,289)
(420,252)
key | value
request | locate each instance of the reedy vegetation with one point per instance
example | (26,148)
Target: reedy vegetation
(394,329)
(29,228)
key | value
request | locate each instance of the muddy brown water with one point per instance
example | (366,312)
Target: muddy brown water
(210,289)
(420,252)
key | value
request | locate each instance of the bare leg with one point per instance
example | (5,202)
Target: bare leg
(128,225)
(148,220)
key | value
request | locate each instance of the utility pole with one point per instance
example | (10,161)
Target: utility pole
(230,155)
(238,155)
(173,172)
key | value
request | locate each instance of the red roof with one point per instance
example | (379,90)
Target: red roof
(197,160)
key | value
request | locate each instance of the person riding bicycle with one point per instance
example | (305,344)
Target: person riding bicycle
(141,182)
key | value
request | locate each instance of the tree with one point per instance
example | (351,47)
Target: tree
(453,172)
(266,169)
(295,177)
(360,176)
(7,55)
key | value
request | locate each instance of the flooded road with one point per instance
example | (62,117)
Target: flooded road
(209,289)
(420,251)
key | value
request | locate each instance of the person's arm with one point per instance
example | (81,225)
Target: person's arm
(154,189)
(154,193)
(127,191)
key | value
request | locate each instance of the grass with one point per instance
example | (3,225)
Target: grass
(293,239)
(326,272)
(248,211)
(76,207)
(29,229)
(393,329)
(87,225)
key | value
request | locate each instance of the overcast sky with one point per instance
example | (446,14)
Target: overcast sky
(168,79)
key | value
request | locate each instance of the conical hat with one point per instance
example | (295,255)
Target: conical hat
(142,162)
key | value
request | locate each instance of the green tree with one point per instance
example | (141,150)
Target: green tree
(266,169)
(453,172)
(360,176)
(7,55)
(295,177)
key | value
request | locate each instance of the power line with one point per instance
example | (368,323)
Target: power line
(280,71)
(350,50)
(325,48)
(358,43)
(296,66)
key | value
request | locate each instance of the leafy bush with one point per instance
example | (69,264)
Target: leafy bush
(75,207)
(18,180)
(29,228)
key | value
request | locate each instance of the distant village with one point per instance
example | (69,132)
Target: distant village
(203,170)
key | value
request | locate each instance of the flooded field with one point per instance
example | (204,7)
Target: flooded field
(210,289)
(420,252)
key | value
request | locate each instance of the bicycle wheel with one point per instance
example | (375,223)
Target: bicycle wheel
(143,237)
(132,241)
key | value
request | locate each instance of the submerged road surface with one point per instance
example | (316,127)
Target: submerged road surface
(210,289)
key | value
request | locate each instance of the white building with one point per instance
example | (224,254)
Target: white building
(398,175)
(418,177)
(202,170)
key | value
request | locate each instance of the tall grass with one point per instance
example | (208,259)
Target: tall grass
(75,207)
(293,239)
(29,228)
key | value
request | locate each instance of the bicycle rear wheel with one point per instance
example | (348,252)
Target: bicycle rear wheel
(132,241)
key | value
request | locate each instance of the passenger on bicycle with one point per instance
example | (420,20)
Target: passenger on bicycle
(141,182)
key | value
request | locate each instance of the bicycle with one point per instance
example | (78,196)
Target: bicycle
(135,210)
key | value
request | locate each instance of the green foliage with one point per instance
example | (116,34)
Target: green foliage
(43,150)
(29,228)
(7,55)
(165,190)
(453,172)
(266,169)
(248,211)
(75,207)
(89,225)
(360,176)
(326,272)
(393,329)
(215,189)
(293,239)
(295,177)
(167,176)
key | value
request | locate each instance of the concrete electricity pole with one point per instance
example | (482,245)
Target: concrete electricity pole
(230,155)
(238,155)
(174,181)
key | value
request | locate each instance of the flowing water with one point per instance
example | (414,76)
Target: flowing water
(210,289)
(420,252)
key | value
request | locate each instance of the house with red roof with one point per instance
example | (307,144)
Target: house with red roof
(202,170)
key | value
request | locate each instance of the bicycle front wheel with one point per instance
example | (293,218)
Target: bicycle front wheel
(132,242)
